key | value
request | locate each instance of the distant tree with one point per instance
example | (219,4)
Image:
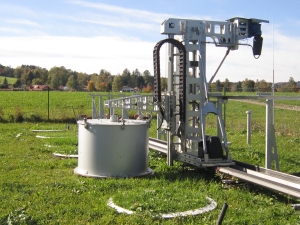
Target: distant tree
(58,76)
(40,74)
(37,81)
(6,71)
(146,73)
(236,87)
(219,86)
(5,83)
(140,82)
(91,86)
(9,71)
(149,80)
(136,72)
(163,83)
(105,73)
(233,87)
(226,84)
(103,82)
(248,85)
(17,84)
(93,77)
(54,81)
(100,83)
(26,76)
(18,72)
(212,87)
(256,85)
(2,70)
(81,80)
(125,77)
(117,84)
(102,87)
(72,83)
(109,83)
(239,86)
(291,86)
(31,67)
(133,81)
(262,86)
(147,89)
(64,76)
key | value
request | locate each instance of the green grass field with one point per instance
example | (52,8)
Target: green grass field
(10,80)
(37,188)
(34,105)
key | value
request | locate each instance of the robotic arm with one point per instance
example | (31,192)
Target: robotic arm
(224,33)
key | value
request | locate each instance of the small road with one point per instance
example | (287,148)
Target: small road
(277,106)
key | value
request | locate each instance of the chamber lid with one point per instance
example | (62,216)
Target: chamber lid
(108,122)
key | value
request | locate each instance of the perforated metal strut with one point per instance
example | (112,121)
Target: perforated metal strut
(182,73)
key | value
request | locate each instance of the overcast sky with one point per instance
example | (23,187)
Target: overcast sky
(87,36)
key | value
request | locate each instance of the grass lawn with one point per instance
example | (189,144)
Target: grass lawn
(37,188)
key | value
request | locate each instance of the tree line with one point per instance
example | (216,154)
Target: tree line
(249,85)
(58,77)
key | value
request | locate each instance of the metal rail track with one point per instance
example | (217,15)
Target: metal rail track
(158,145)
(270,179)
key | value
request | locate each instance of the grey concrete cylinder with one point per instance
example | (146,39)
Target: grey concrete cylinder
(112,149)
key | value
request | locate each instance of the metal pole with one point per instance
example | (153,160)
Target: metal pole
(111,109)
(249,126)
(269,123)
(220,108)
(273,85)
(224,93)
(101,110)
(48,102)
(271,147)
(94,110)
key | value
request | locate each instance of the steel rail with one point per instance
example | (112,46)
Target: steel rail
(270,179)
(267,181)
(158,145)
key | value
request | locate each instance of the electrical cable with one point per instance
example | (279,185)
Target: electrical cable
(162,116)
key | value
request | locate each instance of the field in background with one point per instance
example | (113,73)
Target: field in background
(33,106)
(10,80)
(42,189)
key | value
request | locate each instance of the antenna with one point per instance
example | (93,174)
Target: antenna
(273,77)
(273,60)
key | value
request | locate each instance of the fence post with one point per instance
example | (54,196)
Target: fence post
(48,103)
(249,126)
